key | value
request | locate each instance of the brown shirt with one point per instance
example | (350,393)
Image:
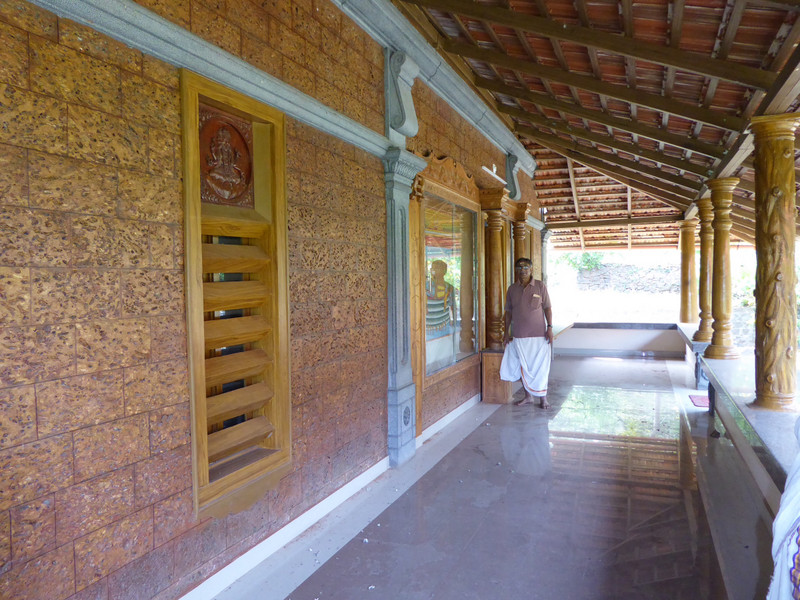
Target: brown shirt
(526,305)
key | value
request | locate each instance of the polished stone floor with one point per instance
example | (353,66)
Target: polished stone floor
(581,501)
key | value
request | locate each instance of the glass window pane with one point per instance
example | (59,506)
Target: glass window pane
(450,284)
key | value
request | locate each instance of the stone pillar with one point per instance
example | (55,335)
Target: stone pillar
(721,345)
(400,168)
(703,333)
(776,306)
(688,276)
(494,280)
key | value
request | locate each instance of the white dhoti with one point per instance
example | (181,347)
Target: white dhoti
(528,359)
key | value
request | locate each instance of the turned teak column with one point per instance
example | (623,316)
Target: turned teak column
(520,231)
(776,306)
(721,341)
(688,277)
(494,279)
(706,212)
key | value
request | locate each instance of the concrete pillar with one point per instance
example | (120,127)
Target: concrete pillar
(721,341)
(776,306)
(706,212)
(688,275)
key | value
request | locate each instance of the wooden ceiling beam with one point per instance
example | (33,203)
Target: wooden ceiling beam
(605,140)
(584,36)
(610,90)
(638,183)
(575,199)
(676,180)
(743,235)
(632,127)
(594,223)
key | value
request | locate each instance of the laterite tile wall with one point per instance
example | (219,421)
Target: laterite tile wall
(95,492)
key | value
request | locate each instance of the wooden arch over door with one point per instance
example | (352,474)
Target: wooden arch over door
(446,180)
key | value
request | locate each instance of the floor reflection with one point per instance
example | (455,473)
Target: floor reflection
(580,501)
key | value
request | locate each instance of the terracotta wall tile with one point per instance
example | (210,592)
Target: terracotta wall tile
(132,240)
(170,427)
(152,292)
(64,73)
(251,18)
(213,28)
(82,508)
(262,56)
(148,102)
(50,576)
(152,386)
(111,344)
(30,354)
(113,546)
(67,404)
(168,335)
(173,516)
(14,69)
(13,175)
(165,148)
(30,18)
(198,545)
(144,577)
(110,446)
(66,294)
(17,416)
(48,235)
(65,184)
(162,245)
(16,295)
(87,40)
(32,120)
(33,528)
(163,475)
(150,198)
(101,138)
(177,11)
(34,469)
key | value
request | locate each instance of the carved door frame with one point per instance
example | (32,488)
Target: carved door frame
(443,179)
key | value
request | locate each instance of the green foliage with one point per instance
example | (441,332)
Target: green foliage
(582,261)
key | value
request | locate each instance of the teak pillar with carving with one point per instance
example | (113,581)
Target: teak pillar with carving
(706,212)
(776,305)
(495,205)
(521,235)
(721,345)
(688,277)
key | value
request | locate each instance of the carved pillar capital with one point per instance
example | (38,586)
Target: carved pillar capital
(721,197)
(496,199)
(401,118)
(776,310)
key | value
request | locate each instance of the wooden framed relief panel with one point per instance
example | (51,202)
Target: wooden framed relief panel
(446,273)
(237,297)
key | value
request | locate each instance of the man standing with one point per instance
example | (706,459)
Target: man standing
(528,334)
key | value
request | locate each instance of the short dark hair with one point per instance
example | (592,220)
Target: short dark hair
(523,262)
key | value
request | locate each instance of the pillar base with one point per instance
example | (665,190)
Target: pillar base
(495,390)
(721,352)
(775,401)
(702,336)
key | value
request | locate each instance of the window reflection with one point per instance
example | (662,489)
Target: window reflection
(450,284)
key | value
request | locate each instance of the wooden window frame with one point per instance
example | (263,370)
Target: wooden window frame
(244,476)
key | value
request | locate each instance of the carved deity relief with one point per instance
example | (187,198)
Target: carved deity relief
(226,163)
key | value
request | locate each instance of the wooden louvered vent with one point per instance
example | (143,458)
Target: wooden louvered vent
(236,297)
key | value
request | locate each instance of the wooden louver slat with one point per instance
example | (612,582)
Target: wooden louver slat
(229,295)
(238,402)
(230,258)
(229,441)
(233,367)
(231,221)
(222,333)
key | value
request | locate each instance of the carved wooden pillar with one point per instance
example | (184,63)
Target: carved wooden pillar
(721,197)
(776,306)
(688,276)
(494,280)
(521,242)
(497,208)
(467,305)
(703,333)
